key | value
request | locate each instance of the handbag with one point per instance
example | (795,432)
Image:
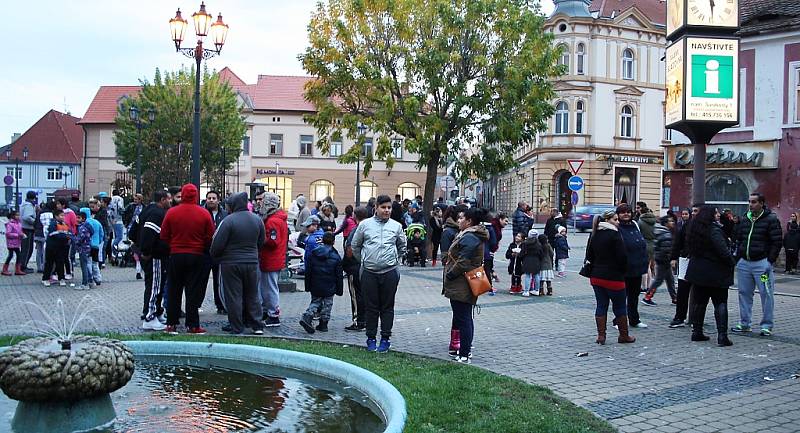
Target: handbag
(478,281)
(586,269)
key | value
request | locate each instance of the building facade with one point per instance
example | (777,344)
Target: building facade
(609,112)
(54,148)
(279,148)
(761,153)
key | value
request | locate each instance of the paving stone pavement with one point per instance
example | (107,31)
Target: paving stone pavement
(661,383)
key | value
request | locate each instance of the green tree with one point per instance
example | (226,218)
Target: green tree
(464,79)
(166,142)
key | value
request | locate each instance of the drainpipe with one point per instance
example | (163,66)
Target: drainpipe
(83,168)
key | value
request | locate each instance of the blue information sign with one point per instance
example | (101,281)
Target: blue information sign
(575,183)
(574,198)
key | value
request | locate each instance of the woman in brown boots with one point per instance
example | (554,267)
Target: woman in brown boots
(606,253)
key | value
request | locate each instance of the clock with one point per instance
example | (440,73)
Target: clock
(712,13)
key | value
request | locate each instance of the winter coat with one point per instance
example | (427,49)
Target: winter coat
(272,256)
(397,212)
(547,257)
(449,232)
(187,227)
(606,251)
(312,241)
(498,231)
(760,237)
(102,217)
(378,244)
(464,255)
(349,263)
(83,240)
(149,239)
(635,248)
(13,234)
(551,228)
(436,230)
(97,229)
(791,241)
(71,220)
(348,225)
(679,248)
(302,216)
(647,225)
(663,245)
(239,236)
(514,261)
(711,262)
(491,244)
(532,256)
(58,234)
(27,215)
(221,214)
(327,223)
(323,276)
(561,247)
(521,222)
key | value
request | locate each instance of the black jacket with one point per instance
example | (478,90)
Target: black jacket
(761,238)
(606,252)
(679,248)
(521,222)
(221,213)
(663,244)
(791,241)
(514,262)
(150,242)
(532,256)
(448,234)
(323,275)
(711,263)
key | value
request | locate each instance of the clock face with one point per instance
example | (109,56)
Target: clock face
(674,15)
(717,13)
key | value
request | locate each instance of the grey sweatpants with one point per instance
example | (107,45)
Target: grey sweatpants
(242,300)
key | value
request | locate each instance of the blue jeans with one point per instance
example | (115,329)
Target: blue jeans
(531,283)
(268,289)
(749,275)
(118,229)
(617,297)
(86,268)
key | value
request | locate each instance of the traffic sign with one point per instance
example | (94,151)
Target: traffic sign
(8,180)
(575,165)
(574,198)
(575,183)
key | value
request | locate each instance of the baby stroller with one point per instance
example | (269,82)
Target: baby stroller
(122,255)
(416,251)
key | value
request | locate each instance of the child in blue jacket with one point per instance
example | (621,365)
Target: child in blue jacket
(323,279)
(562,251)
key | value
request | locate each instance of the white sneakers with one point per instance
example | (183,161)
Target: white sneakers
(153,325)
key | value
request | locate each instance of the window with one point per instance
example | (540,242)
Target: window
(562,118)
(397,148)
(627,64)
(276,144)
(625,185)
(564,59)
(626,122)
(320,189)
(369,189)
(336,148)
(10,172)
(727,191)
(409,190)
(579,117)
(366,148)
(795,69)
(306,145)
(54,174)
(667,134)
(581,56)
(246,145)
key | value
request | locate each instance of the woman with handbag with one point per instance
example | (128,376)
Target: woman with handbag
(605,264)
(463,258)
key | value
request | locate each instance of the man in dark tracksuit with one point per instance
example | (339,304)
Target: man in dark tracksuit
(218,213)
(155,253)
(352,268)
(235,248)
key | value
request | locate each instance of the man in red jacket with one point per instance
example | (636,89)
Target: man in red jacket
(187,229)
(272,257)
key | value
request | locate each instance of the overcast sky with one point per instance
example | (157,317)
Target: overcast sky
(59,60)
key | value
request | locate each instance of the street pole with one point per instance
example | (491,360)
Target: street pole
(16,184)
(198,57)
(358,181)
(138,159)
(699,175)
(223,173)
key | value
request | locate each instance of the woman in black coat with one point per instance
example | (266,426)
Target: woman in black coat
(710,271)
(791,242)
(437,226)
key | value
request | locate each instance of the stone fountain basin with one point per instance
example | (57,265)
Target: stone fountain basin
(386,397)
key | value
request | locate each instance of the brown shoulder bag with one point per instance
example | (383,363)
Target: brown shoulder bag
(478,281)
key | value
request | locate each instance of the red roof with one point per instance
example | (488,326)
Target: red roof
(226,74)
(655,10)
(56,137)
(103,108)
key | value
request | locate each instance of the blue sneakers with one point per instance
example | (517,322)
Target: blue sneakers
(371,345)
(384,346)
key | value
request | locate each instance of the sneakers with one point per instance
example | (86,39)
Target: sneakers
(138,275)
(162,318)
(272,322)
(323,326)
(62,283)
(258,332)
(740,328)
(384,346)
(677,324)
(355,327)
(526,294)
(171,330)
(371,345)
(765,332)
(153,325)
(68,276)
(640,325)
(196,330)
(46,283)
(462,360)
(92,285)
(306,324)
(80,287)
(649,302)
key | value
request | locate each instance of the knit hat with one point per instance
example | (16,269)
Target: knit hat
(270,204)
(608,213)
(533,233)
(310,220)
(561,229)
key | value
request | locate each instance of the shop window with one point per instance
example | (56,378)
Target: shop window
(369,189)
(562,118)
(320,189)
(280,185)
(409,190)
(727,191)
(581,57)
(627,64)
(625,185)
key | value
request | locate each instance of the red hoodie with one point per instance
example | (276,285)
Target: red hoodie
(187,228)
(272,257)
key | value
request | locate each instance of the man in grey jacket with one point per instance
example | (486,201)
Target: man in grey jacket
(27,213)
(378,243)
(235,248)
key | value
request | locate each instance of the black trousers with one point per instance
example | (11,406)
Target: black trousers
(155,275)
(632,286)
(217,297)
(462,320)
(242,298)
(184,275)
(791,260)
(379,293)
(682,305)
(54,260)
(27,247)
(699,301)
(356,299)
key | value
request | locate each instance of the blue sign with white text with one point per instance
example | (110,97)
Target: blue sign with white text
(575,183)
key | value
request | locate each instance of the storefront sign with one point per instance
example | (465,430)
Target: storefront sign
(273,172)
(630,159)
(736,155)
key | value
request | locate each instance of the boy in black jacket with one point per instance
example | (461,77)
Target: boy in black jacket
(663,254)
(323,279)
(155,253)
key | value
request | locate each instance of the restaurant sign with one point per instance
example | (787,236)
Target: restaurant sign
(726,156)
(273,172)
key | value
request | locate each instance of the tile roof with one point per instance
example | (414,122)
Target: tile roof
(655,10)
(103,108)
(56,137)
(761,16)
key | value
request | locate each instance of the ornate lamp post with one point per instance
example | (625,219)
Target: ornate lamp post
(362,130)
(16,170)
(137,121)
(202,28)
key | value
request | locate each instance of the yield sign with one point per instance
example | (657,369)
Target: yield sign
(575,165)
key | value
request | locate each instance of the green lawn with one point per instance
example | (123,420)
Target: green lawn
(442,396)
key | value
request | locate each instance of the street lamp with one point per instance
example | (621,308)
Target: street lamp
(362,130)
(137,121)
(202,27)
(16,171)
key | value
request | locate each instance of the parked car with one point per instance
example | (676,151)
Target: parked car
(583,216)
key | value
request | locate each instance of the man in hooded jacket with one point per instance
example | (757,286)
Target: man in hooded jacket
(272,257)
(154,259)
(303,213)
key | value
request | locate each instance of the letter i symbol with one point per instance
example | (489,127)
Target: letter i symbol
(712,76)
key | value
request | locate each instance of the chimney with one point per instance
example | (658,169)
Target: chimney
(15,136)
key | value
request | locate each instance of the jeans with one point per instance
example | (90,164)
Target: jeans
(268,290)
(11,253)
(321,305)
(86,268)
(462,320)
(749,275)
(118,229)
(39,256)
(663,273)
(632,286)
(615,297)
(95,264)
(532,283)
(379,293)
(27,248)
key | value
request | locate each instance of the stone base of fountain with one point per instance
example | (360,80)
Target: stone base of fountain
(66,416)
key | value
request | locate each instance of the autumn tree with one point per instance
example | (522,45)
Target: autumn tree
(461,80)
(167,141)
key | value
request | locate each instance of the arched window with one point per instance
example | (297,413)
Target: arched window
(581,54)
(320,189)
(627,64)
(564,59)
(562,118)
(626,122)
(409,190)
(579,114)
(369,189)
